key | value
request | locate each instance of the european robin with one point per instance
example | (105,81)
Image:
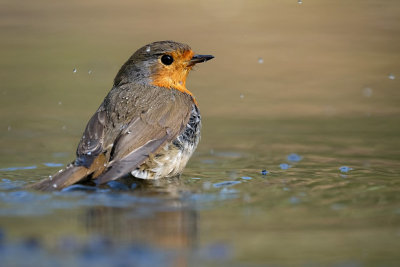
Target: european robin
(148,125)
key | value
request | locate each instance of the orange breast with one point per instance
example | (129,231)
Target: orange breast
(174,76)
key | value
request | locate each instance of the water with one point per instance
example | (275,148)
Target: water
(283,217)
(320,115)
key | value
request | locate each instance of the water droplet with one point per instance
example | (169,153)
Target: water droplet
(260,60)
(55,185)
(391,76)
(264,172)
(9,128)
(299,2)
(241,96)
(284,166)
(345,169)
(74,70)
(294,157)
(367,92)
(148,49)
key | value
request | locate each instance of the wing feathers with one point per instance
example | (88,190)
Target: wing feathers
(133,122)
(130,162)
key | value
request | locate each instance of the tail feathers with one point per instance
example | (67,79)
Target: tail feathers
(71,175)
(66,177)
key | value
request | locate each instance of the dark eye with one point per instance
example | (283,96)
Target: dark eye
(167,59)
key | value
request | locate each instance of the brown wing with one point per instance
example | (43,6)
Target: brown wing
(139,126)
(91,144)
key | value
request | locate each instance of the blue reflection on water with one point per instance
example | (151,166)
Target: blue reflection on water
(95,251)
(51,164)
(284,166)
(19,168)
(345,169)
(226,183)
(294,157)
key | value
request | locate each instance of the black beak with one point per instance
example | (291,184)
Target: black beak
(199,58)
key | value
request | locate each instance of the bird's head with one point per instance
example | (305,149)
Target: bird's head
(165,64)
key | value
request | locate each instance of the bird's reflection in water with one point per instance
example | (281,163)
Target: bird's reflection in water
(163,218)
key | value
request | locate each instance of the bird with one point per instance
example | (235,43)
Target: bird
(148,125)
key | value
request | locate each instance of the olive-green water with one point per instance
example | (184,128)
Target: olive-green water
(308,92)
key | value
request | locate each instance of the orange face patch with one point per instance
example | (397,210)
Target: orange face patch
(174,76)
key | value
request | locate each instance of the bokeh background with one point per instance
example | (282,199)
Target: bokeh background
(317,57)
(274,59)
(320,78)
